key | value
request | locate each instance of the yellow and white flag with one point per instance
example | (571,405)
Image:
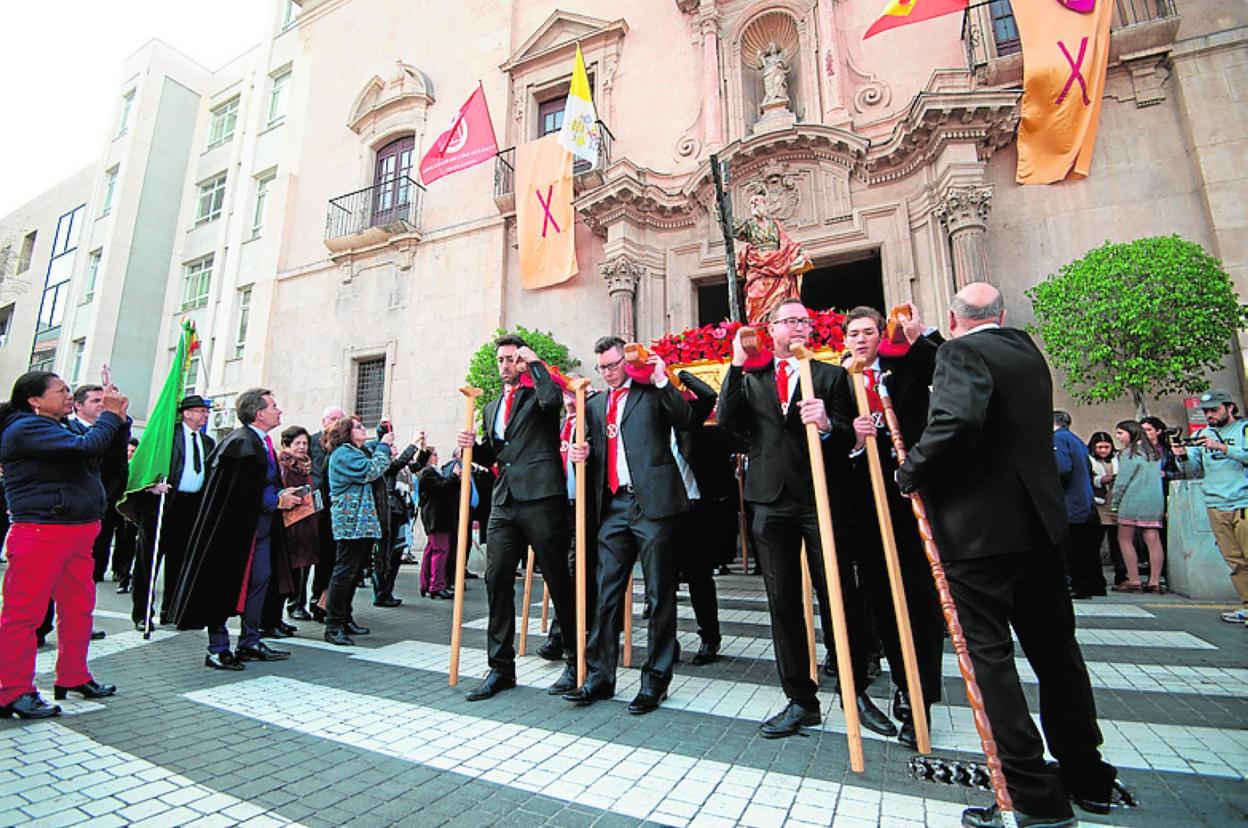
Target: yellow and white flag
(580,133)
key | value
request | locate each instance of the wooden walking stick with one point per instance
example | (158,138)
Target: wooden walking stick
(905,634)
(579,386)
(840,627)
(528,596)
(545,606)
(461,548)
(808,605)
(950,610)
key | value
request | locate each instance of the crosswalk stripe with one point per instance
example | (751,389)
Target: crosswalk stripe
(45,661)
(668,788)
(1206,750)
(97,781)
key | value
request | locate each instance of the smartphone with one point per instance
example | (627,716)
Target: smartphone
(302,491)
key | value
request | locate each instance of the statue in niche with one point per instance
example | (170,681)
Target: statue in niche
(775,75)
(771,263)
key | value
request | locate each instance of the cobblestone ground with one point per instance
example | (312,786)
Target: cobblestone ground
(372,735)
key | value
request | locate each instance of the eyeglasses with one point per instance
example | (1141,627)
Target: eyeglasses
(610,366)
(795,321)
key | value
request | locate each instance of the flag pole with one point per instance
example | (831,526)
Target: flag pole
(155,565)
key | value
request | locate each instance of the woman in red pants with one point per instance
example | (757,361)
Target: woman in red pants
(56,500)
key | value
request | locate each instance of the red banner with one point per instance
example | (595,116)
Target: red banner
(468,141)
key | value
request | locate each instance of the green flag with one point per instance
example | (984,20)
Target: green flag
(150,463)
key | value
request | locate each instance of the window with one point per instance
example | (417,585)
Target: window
(224,119)
(370,389)
(67,229)
(196,279)
(110,185)
(288,15)
(127,101)
(52,308)
(550,116)
(75,370)
(1004,30)
(277,98)
(392,181)
(211,199)
(93,273)
(28,251)
(257,216)
(43,359)
(192,376)
(244,312)
(6,319)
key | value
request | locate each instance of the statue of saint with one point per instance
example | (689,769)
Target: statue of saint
(775,82)
(769,260)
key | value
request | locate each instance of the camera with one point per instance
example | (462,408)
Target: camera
(1176,437)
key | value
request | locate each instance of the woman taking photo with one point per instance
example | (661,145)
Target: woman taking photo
(1138,504)
(353,511)
(1102,457)
(56,502)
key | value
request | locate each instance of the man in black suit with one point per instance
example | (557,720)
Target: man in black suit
(530,506)
(640,497)
(986,470)
(763,402)
(184,491)
(905,370)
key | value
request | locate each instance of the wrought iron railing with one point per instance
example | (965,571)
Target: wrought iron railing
(394,203)
(1001,37)
(505,164)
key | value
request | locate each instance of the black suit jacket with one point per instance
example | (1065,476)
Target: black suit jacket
(529,464)
(646,424)
(778,456)
(177,459)
(985,462)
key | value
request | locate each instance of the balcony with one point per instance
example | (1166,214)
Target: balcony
(585,176)
(375,215)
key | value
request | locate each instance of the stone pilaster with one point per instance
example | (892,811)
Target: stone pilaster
(622,275)
(712,114)
(963,211)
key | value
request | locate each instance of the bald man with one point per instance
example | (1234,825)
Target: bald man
(985,468)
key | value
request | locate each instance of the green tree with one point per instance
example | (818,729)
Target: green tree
(1151,316)
(483,369)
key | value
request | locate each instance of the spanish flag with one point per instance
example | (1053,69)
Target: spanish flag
(904,12)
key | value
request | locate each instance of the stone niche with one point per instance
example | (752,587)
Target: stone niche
(771,70)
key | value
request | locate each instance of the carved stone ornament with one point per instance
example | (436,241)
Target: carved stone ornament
(965,207)
(408,90)
(779,186)
(622,275)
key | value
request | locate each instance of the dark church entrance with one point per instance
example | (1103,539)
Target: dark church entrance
(846,285)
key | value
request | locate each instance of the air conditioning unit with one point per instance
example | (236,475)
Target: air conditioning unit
(223,420)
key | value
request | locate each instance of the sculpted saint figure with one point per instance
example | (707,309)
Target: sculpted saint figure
(769,261)
(775,71)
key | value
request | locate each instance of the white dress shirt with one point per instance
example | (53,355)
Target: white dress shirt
(191,480)
(621,456)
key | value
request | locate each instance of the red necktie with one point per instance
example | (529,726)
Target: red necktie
(509,399)
(782,384)
(565,438)
(613,432)
(268,444)
(873,394)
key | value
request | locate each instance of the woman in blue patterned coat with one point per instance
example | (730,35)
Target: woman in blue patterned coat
(353,512)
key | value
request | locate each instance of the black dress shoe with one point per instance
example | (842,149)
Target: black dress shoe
(901,706)
(646,701)
(299,614)
(873,669)
(289,629)
(386,601)
(707,653)
(789,722)
(586,695)
(472,576)
(873,718)
(1091,798)
(353,628)
(30,706)
(222,661)
(494,683)
(318,614)
(123,588)
(339,636)
(98,635)
(566,682)
(552,650)
(907,737)
(991,818)
(829,665)
(442,595)
(276,632)
(91,690)
(261,652)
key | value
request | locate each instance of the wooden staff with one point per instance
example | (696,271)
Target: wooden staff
(823,509)
(545,606)
(628,621)
(808,605)
(461,557)
(901,609)
(528,596)
(579,386)
(950,610)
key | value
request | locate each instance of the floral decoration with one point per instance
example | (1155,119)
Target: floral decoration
(714,342)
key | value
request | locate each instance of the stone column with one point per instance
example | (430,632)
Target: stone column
(963,211)
(712,112)
(622,274)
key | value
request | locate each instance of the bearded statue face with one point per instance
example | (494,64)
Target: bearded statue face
(758,205)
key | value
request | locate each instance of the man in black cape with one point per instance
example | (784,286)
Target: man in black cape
(229,558)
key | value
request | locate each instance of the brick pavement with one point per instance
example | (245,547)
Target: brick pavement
(372,735)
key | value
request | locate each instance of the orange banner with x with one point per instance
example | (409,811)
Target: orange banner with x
(1065,55)
(544,216)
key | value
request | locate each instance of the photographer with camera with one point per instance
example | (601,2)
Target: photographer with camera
(1221,458)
